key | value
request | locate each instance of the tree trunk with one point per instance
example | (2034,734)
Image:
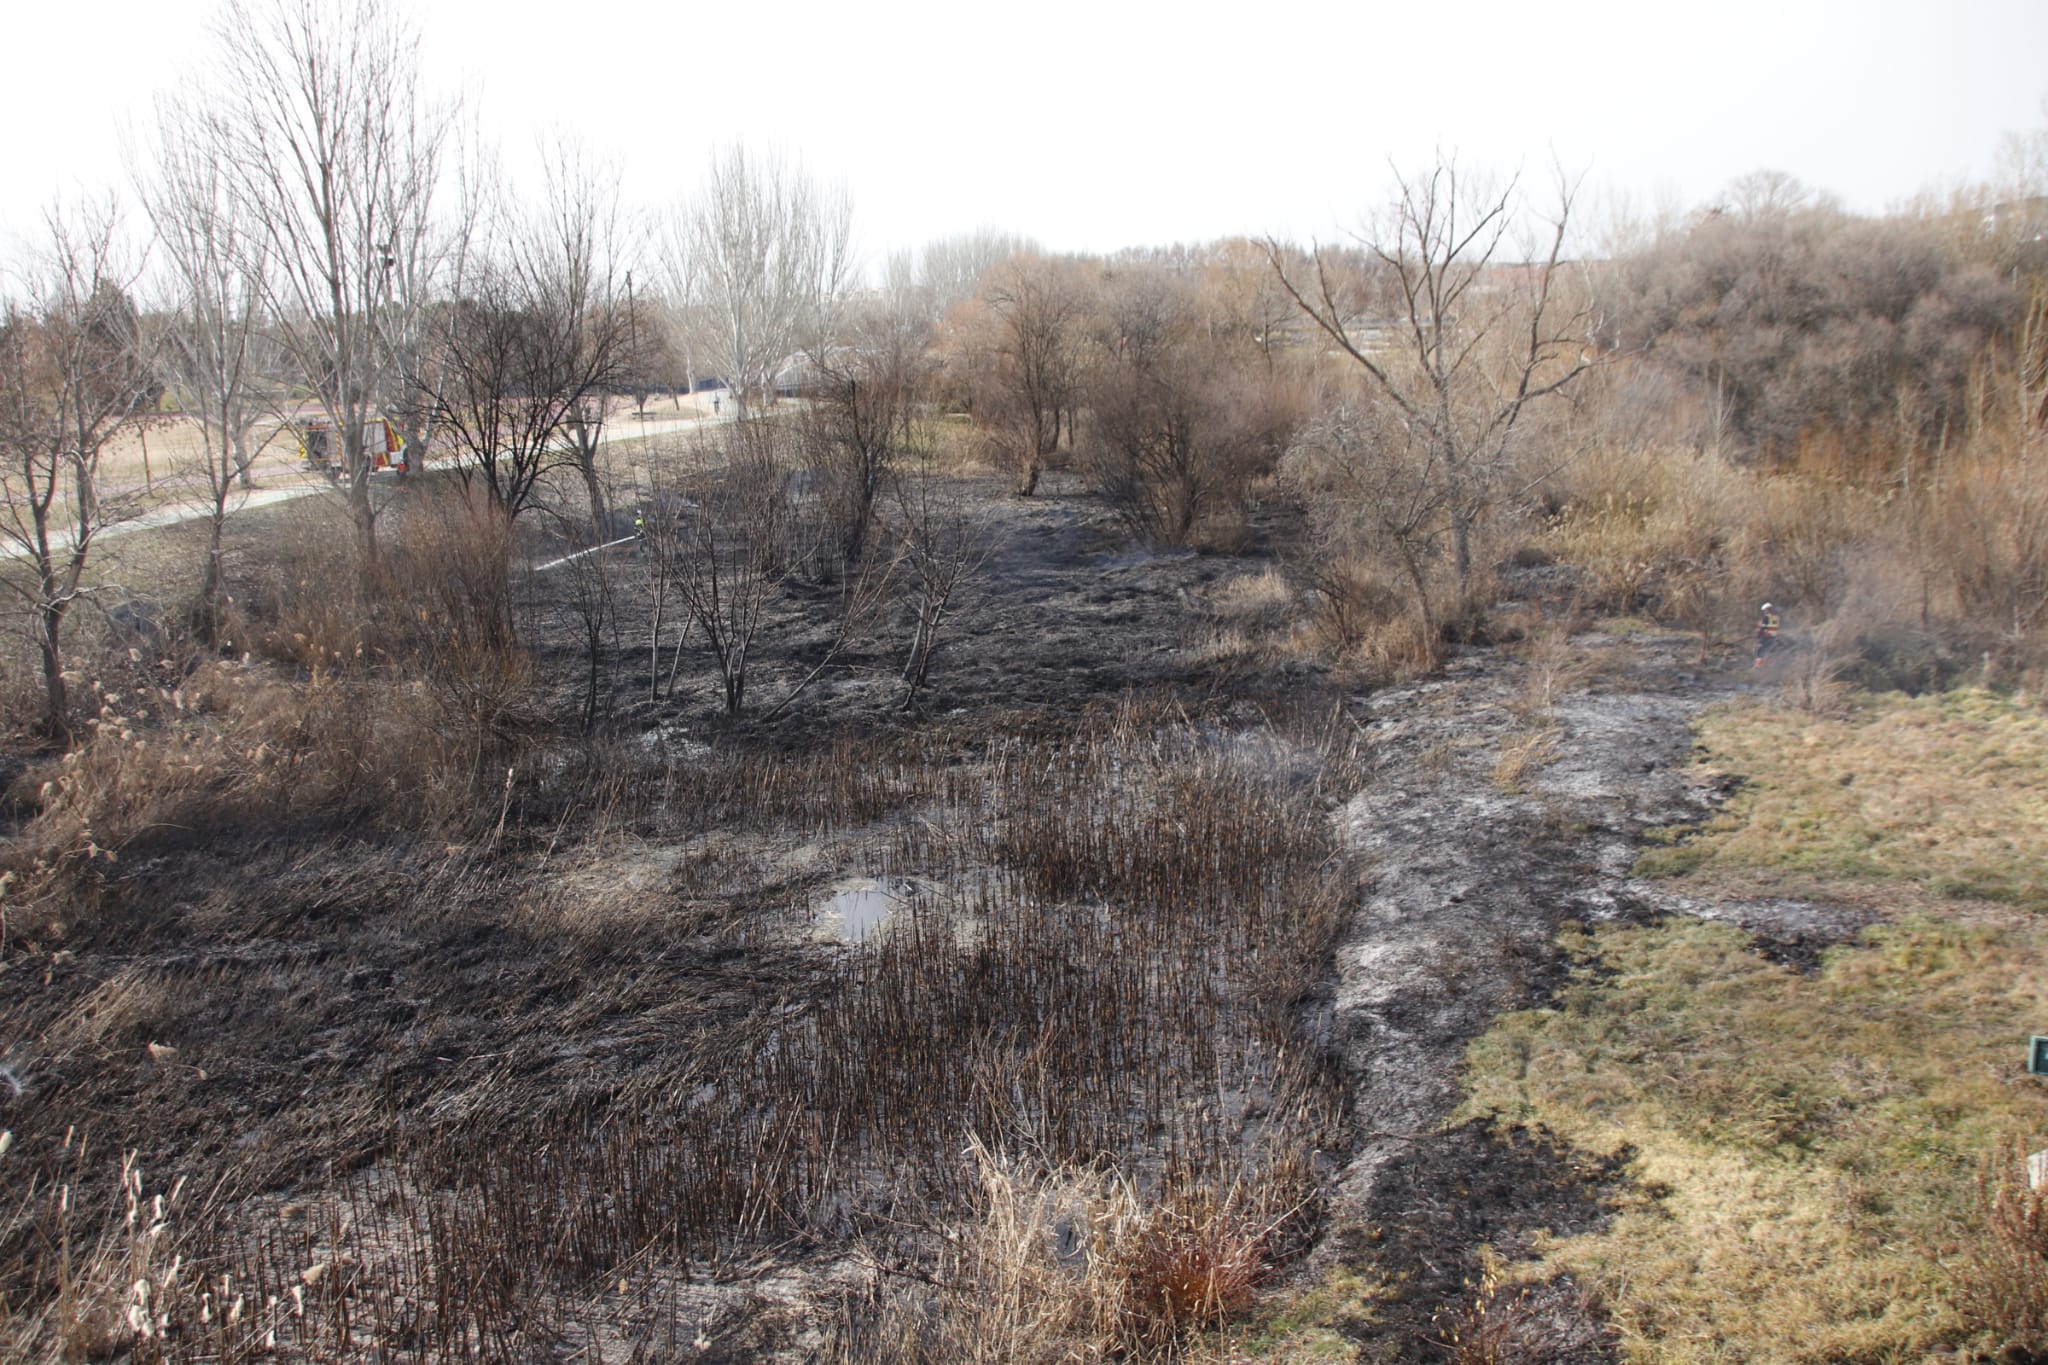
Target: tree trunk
(210,580)
(1461,547)
(413,437)
(920,661)
(1419,580)
(654,645)
(56,693)
(600,514)
(364,514)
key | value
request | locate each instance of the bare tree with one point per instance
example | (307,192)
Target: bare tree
(733,551)
(1030,366)
(210,347)
(535,343)
(950,270)
(863,391)
(664,546)
(1462,342)
(755,267)
(339,155)
(70,375)
(1372,486)
(1248,306)
(943,541)
(1182,413)
(592,604)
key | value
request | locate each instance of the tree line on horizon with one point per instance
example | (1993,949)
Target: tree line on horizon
(321,232)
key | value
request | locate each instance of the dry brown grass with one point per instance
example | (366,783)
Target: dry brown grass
(1962,548)
(1632,515)
(1065,1264)
(1521,754)
(1252,618)
(235,745)
(956,447)
(1551,668)
(1948,793)
(116,1276)
(2003,1279)
(1394,650)
(1806,1146)
(1986,524)
(398,695)
(1510,1323)
(1702,542)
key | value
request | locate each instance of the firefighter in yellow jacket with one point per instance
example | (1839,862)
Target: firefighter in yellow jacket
(1766,632)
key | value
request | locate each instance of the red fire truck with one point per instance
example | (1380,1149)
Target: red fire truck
(382,444)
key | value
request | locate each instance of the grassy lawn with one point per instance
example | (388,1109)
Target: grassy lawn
(1807,1149)
(1813,1155)
(1948,794)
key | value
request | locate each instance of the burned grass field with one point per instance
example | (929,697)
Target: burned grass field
(407,1062)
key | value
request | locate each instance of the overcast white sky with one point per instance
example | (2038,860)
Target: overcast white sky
(1093,126)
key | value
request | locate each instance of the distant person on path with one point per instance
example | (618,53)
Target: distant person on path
(717,403)
(1766,632)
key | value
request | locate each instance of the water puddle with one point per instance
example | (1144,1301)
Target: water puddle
(859,908)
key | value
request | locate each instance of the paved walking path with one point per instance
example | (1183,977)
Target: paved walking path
(308,483)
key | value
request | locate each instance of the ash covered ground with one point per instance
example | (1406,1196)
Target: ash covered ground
(287,1018)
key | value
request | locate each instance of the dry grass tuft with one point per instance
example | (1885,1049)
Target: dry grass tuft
(1521,755)
(106,1281)
(1521,1324)
(1066,1264)
(1551,670)
(2003,1279)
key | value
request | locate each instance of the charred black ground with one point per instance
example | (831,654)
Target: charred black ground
(535,1033)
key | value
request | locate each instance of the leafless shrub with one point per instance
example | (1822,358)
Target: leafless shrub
(943,541)
(1063,1264)
(1785,317)
(537,338)
(1026,337)
(1181,421)
(734,551)
(2002,1283)
(1521,1324)
(864,392)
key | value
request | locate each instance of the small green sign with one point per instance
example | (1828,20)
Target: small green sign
(2037,1056)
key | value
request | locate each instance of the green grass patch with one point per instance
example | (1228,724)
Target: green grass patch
(1947,792)
(1807,1146)
(1301,1327)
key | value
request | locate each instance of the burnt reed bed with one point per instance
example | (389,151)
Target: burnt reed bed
(1103,963)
